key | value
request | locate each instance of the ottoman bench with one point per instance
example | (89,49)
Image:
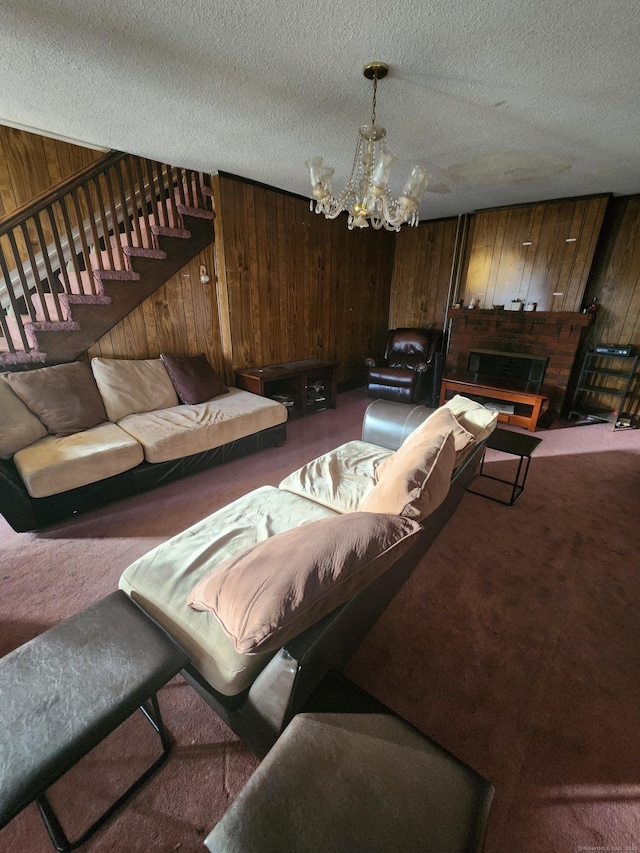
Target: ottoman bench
(66,690)
(357,782)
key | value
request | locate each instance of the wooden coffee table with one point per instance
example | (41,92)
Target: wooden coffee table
(530,398)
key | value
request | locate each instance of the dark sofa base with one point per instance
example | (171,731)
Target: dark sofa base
(26,513)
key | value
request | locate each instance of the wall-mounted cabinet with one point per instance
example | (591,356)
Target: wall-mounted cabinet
(539,253)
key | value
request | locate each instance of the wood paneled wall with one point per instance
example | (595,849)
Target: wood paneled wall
(533,251)
(422,273)
(180,317)
(615,278)
(31,164)
(293,285)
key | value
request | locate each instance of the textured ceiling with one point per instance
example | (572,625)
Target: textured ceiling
(504,101)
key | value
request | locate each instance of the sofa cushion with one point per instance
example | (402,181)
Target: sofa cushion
(273,591)
(65,397)
(193,377)
(182,430)
(340,479)
(415,480)
(19,427)
(161,580)
(129,386)
(441,420)
(473,416)
(55,464)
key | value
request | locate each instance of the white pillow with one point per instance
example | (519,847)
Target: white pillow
(130,386)
(473,416)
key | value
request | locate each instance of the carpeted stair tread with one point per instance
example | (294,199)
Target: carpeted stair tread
(198,212)
(119,275)
(165,231)
(86,299)
(142,252)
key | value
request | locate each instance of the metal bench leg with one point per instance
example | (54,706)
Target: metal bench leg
(54,828)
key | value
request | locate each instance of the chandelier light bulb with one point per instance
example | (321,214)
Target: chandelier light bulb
(366,197)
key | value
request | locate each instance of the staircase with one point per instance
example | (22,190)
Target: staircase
(79,258)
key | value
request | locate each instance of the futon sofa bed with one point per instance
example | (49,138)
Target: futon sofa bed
(74,437)
(270,592)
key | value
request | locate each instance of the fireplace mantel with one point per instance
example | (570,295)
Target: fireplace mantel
(555,335)
(521,316)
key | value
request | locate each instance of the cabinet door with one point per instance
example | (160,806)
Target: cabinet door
(531,252)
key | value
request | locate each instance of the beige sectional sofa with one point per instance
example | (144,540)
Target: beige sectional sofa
(271,591)
(73,437)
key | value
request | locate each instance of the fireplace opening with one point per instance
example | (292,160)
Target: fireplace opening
(507,365)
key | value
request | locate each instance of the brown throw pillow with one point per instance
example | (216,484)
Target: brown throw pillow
(193,377)
(415,480)
(269,593)
(65,397)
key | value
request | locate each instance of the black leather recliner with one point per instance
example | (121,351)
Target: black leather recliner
(411,369)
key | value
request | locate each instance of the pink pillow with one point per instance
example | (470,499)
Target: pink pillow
(271,592)
(442,419)
(415,480)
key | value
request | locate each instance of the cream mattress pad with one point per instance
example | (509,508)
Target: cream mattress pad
(55,464)
(183,430)
(161,580)
(340,479)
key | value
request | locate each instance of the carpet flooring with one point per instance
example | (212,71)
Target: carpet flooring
(514,645)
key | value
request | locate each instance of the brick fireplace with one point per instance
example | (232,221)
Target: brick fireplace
(555,335)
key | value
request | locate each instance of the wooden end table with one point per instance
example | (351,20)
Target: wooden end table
(311,383)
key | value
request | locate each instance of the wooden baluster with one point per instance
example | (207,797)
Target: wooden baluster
(168,188)
(36,277)
(71,244)
(115,225)
(198,196)
(83,240)
(160,195)
(100,206)
(5,331)
(158,212)
(47,265)
(60,254)
(180,182)
(135,217)
(95,259)
(143,200)
(12,296)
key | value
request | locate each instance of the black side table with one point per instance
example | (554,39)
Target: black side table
(515,444)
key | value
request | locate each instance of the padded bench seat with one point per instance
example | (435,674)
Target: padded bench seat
(363,783)
(64,691)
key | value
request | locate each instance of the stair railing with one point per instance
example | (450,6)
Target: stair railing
(54,245)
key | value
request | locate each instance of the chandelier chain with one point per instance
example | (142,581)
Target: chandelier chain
(373,107)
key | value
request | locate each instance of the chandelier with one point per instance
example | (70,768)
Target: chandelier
(366,197)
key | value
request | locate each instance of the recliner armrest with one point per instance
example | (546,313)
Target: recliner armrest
(374,362)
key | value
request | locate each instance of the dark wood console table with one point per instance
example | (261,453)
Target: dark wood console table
(311,383)
(530,399)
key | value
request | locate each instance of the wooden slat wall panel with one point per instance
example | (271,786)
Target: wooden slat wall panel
(421,274)
(31,164)
(297,285)
(180,317)
(501,267)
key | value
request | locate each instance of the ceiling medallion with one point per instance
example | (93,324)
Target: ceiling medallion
(366,197)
